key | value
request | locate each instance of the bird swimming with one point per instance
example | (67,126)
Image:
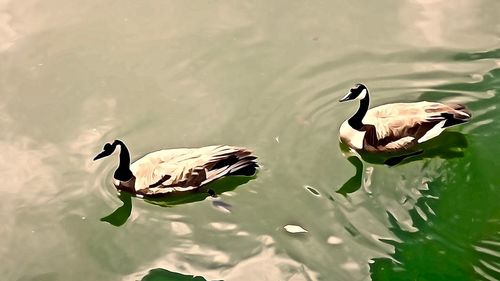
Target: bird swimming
(170,171)
(396,127)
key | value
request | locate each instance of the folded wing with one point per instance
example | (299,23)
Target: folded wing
(184,169)
(400,124)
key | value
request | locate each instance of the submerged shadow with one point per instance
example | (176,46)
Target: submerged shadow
(160,274)
(448,145)
(212,189)
(354,183)
(122,213)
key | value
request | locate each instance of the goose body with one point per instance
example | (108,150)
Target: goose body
(170,171)
(397,126)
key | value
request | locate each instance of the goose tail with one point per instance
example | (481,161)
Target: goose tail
(459,114)
(237,162)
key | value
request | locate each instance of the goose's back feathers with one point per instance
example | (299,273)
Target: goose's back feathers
(397,117)
(182,169)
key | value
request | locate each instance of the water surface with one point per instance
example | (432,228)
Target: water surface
(165,74)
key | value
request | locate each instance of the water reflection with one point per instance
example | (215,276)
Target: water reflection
(463,222)
(222,263)
(122,213)
(444,235)
(440,22)
(160,274)
(354,183)
(449,144)
(213,189)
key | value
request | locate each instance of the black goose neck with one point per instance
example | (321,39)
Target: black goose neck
(356,121)
(123,172)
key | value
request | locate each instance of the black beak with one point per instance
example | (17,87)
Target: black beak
(345,98)
(101,155)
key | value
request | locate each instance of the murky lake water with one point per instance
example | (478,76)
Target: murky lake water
(266,75)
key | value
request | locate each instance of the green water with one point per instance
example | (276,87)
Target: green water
(266,75)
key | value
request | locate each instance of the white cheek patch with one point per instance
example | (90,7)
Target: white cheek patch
(362,95)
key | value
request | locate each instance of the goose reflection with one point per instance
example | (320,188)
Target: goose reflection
(122,213)
(449,145)
(163,274)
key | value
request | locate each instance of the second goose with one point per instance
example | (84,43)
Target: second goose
(397,126)
(178,170)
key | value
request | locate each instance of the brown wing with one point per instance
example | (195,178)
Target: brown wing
(399,125)
(395,138)
(185,169)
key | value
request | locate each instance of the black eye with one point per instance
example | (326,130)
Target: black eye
(107,146)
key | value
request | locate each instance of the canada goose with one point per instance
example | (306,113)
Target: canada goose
(178,170)
(397,126)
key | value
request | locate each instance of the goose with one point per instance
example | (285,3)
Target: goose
(174,171)
(396,127)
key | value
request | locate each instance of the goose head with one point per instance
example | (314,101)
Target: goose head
(107,150)
(123,172)
(358,91)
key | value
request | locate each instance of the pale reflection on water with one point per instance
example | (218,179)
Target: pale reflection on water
(263,261)
(437,23)
(28,187)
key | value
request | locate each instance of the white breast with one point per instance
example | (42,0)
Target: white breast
(351,137)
